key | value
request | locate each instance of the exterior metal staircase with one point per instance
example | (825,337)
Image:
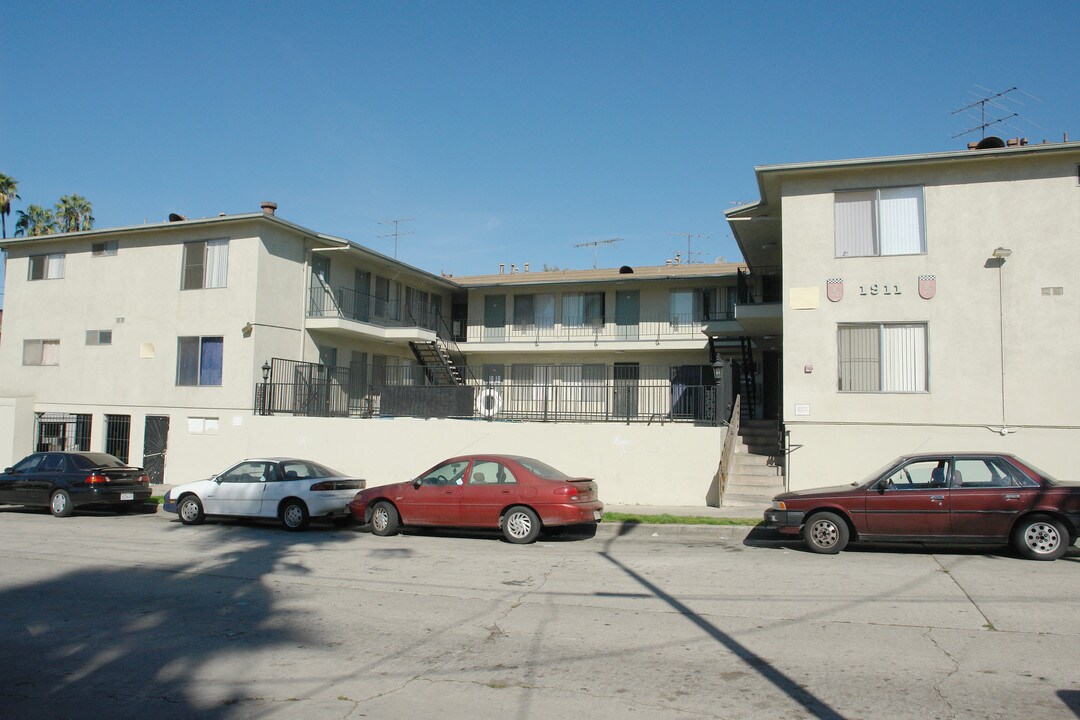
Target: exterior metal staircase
(756,471)
(437,363)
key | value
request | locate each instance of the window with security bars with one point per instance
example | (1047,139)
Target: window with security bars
(62,431)
(118,435)
(882,357)
(885,221)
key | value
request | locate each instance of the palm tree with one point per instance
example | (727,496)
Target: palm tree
(8,192)
(35,220)
(73,214)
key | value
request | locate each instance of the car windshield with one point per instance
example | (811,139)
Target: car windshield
(305,470)
(89,461)
(541,469)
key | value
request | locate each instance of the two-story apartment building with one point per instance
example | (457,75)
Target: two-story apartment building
(202,341)
(928,304)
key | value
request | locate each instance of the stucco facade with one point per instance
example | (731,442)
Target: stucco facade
(993,370)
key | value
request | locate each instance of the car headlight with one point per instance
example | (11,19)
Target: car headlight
(778,505)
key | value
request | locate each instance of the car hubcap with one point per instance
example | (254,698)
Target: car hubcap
(1042,538)
(379,519)
(518,525)
(824,534)
(189,511)
(58,503)
(293,516)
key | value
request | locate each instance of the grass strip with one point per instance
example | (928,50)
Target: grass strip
(678,520)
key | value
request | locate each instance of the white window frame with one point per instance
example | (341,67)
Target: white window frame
(50,266)
(897,358)
(99,337)
(41,352)
(877,222)
(205,265)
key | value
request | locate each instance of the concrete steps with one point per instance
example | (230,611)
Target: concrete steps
(756,473)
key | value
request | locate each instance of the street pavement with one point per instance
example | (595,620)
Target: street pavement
(139,616)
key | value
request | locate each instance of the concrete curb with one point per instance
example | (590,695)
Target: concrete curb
(643,530)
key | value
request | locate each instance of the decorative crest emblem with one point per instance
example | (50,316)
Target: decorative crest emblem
(927,286)
(834,289)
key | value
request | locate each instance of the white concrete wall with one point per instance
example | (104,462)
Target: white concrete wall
(16,429)
(1028,204)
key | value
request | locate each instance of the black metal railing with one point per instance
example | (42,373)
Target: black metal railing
(349,304)
(763,285)
(546,393)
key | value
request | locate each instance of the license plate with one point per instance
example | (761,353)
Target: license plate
(127,496)
(596,515)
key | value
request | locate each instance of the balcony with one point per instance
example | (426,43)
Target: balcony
(674,331)
(346,312)
(759,308)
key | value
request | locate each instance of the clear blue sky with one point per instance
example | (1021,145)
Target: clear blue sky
(509,131)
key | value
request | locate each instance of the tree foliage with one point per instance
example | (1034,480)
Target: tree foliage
(73,214)
(9,188)
(35,220)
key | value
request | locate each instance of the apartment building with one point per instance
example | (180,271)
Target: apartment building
(927,304)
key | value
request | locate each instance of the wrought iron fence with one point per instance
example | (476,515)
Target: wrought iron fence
(349,304)
(546,393)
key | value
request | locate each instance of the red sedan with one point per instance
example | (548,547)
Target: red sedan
(517,495)
(940,498)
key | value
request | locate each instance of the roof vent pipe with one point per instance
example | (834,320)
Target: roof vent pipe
(526,267)
(502,268)
(268,207)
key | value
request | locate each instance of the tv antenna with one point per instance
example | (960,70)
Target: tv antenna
(690,254)
(397,232)
(595,245)
(998,104)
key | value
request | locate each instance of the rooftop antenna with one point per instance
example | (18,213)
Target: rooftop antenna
(689,237)
(397,233)
(595,245)
(996,101)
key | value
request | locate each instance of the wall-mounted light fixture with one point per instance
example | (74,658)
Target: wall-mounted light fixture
(1002,253)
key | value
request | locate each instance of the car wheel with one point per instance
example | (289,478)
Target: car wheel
(190,510)
(294,515)
(384,519)
(60,504)
(1040,537)
(825,532)
(520,525)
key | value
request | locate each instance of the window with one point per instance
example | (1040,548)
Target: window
(41,352)
(448,474)
(46,267)
(251,471)
(487,472)
(583,309)
(883,357)
(62,431)
(534,311)
(118,435)
(103,249)
(99,337)
(887,221)
(198,360)
(206,264)
(681,303)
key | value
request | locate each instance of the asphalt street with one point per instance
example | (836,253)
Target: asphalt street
(138,616)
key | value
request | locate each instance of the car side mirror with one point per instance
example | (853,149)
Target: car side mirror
(8,471)
(417,483)
(217,479)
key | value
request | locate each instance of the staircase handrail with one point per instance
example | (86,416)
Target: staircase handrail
(728,453)
(446,337)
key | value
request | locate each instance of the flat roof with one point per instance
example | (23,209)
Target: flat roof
(685,271)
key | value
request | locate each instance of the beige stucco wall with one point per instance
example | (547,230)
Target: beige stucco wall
(16,429)
(1028,204)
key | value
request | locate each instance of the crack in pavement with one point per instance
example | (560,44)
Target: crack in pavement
(929,635)
(989,624)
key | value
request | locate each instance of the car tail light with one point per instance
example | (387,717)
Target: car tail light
(322,486)
(337,485)
(95,479)
(143,479)
(568,491)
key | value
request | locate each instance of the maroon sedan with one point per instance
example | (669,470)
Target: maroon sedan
(517,495)
(939,497)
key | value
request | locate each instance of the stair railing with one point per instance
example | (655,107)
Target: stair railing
(727,455)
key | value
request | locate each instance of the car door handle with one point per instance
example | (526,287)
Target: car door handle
(448,492)
(1012,497)
(937,497)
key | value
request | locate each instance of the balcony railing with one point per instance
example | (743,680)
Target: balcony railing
(545,393)
(676,326)
(349,304)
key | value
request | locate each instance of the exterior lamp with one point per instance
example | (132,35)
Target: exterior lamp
(719,368)
(1002,253)
(266,370)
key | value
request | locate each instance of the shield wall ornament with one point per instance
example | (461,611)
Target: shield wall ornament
(927,286)
(834,289)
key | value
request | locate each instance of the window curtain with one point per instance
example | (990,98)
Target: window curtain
(903,358)
(544,307)
(187,361)
(573,309)
(900,218)
(55,267)
(854,218)
(217,263)
(682,306)
(210,361)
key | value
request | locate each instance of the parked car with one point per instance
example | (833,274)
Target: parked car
(940,498)
(518,495)
(63,481)
(289,489)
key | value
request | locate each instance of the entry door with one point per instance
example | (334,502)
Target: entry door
(155,444)
(626,390)
(494,317)
(915,502)
(322,299)
(361,309)
(627,313)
